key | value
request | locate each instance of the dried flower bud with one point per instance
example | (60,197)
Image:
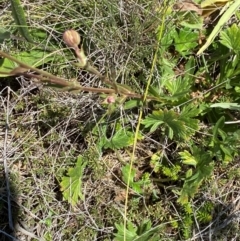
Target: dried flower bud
(71,38)
(109,100)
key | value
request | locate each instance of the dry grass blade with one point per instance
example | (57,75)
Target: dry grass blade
(5,163)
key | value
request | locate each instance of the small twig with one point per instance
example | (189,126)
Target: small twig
(27,233)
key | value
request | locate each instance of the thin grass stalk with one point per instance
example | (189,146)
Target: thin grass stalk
(159,37)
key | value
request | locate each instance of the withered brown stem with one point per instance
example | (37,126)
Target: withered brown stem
(46,77)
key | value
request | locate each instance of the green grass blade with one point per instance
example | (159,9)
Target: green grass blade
(225,17)
(20,20)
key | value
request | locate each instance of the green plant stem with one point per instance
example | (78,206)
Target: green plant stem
(106,80)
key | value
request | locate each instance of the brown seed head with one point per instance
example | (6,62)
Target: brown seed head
(71,38)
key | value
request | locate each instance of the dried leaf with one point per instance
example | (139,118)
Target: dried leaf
(188,6)
(211,6)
